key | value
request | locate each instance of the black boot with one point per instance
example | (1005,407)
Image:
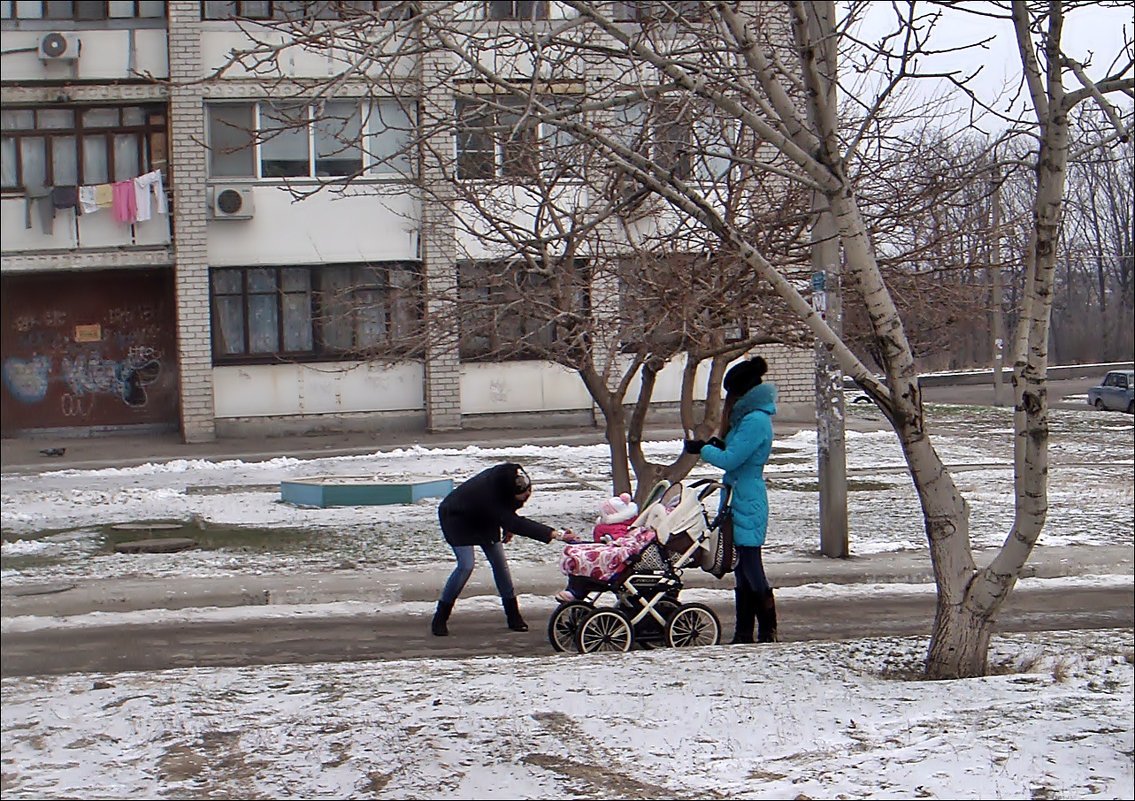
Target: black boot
(512,613)
(746,614)
(766,619)
(438,626)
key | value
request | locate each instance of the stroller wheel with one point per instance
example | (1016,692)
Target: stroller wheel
(564,622)
(604,630)
(693,625)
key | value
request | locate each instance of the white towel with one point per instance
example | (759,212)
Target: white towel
(87,200)
(145,187)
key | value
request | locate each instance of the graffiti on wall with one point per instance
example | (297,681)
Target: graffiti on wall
(84,375)
(125,379)
(27,379)
(62,368)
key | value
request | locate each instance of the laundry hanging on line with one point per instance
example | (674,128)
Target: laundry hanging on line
(133,200)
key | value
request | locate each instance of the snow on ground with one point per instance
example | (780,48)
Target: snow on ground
(800,720)
(794,720)
(55,524)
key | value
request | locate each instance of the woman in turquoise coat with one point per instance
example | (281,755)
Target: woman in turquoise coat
(743,453)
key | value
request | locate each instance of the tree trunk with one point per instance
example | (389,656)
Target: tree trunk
(959,641)
(615,431)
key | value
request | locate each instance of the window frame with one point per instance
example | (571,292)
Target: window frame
(387,9)
(370,115)
(513,10)
(154,129)
(515,158)
(501,295)
(397,299)
(78,15)
(655,11)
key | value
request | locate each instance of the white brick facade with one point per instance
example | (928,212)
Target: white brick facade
(187,119)
(228,397)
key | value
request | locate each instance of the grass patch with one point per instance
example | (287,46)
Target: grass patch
(216,538)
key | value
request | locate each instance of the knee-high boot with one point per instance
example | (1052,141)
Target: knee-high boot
(438,626)
(766,618)
(746,614)
(512,614)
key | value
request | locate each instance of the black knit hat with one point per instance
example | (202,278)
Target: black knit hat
(745,375)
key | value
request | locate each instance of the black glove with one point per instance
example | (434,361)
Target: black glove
(693,445)
(716,442)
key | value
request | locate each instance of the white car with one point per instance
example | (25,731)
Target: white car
(1114,392)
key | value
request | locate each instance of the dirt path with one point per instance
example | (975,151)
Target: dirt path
(309,640)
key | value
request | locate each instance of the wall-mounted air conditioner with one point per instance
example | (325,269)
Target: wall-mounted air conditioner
(57,46)
(232,203)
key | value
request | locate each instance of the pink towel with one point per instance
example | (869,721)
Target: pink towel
(125,202)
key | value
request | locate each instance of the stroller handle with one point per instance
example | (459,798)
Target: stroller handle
(711,485)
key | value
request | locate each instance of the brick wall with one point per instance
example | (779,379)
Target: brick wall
(439,256)
(793,371)
(187,124)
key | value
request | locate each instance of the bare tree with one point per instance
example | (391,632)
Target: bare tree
(765,67)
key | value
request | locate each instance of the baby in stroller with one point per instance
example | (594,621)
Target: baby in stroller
(615,542)
(643,570)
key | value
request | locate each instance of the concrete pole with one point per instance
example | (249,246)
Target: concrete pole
(831,448)
(827,298)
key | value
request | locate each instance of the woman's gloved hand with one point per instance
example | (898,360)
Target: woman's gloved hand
(716,442)
(693,445)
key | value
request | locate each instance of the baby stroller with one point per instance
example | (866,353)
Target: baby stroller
(647,609)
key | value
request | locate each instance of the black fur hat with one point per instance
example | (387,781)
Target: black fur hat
(745,375)
(523,482)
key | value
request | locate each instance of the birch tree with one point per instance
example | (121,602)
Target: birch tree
(768,68)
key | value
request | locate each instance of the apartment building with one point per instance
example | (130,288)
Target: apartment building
(159,271)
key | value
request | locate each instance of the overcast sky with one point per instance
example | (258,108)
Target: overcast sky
(1093,34)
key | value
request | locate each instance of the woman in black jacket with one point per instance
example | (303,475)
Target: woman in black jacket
(482,512)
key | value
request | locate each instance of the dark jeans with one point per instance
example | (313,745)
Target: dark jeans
(750,570)
(460,575)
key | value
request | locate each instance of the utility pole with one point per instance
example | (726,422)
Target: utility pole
(827,300)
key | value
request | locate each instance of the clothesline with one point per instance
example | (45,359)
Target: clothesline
(132,200)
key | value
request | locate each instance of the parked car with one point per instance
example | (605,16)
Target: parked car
(1116,391)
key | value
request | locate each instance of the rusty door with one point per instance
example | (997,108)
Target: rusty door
(88,350)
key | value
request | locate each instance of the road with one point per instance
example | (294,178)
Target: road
(148,647)
(1063,393)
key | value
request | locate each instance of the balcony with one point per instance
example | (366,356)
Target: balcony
(95,240)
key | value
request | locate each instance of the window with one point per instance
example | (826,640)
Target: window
(680,140)
(670,299)
(83,10)
(516,9)
(72,145)
(298,10)
(308,313)
(661,10)
(365,308)
(562,153)
(332,139)
(494,139)
(511,311)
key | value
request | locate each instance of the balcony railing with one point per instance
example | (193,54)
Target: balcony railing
(72,231)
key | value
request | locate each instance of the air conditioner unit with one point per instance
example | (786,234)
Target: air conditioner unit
(57,46)
(232,203)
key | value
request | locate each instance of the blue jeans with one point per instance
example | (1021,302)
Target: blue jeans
(494,552)
(750,570)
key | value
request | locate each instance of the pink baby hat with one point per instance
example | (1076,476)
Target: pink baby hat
(619,509)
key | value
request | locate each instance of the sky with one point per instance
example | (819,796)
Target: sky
(806,719)
(1094,34)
